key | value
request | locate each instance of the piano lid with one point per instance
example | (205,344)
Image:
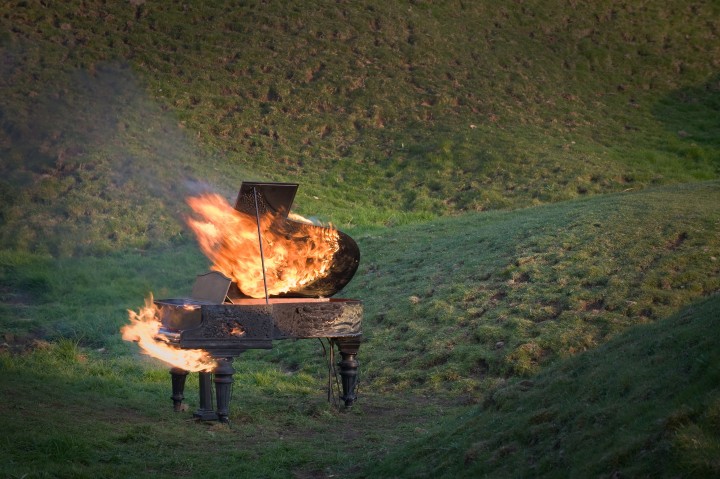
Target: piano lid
(276,198)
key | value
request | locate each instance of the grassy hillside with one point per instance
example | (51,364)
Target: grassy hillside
(585,417)
(458,302)
(526,183)
(387,112)
(461,303)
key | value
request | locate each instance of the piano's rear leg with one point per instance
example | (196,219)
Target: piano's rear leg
(349,364)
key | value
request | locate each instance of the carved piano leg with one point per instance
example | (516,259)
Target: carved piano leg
(206,412)
(178,387)
(349,367)
(223,385)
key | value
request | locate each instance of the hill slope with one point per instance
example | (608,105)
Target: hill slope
(387,112)
(395,117)
(455,309)
(452,305)
(646,404)
(461,303)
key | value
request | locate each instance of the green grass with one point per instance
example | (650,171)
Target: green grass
(78,412)
(456,309)
(526,182)
(472,299)
(386,112)
(86,299)
(644,404)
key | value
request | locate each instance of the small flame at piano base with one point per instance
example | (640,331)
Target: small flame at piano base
(143,329)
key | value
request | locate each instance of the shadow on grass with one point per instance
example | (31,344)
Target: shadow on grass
(693,115)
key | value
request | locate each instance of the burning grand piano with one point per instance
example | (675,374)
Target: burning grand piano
(274,280)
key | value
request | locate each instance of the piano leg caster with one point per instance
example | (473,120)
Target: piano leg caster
(349,368)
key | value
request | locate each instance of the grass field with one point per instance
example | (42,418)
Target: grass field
(534,189)
(388,113)
(487,305)
(588,417)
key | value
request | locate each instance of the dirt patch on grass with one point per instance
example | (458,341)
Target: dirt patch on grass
(23,343)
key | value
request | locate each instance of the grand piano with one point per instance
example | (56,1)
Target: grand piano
(219,318)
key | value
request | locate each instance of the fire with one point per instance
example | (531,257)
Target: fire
(295,254)
(143,329)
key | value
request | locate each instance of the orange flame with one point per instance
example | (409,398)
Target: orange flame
(294,255)
(143,329)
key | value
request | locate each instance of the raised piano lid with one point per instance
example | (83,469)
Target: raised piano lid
(273,197)
(277,198)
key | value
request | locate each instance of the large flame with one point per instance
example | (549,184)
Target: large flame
(143,329)
(294,254)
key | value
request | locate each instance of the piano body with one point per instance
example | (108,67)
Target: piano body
(219,319)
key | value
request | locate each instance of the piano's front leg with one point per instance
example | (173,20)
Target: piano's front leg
(223,387)
(205,411)
(178,387)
